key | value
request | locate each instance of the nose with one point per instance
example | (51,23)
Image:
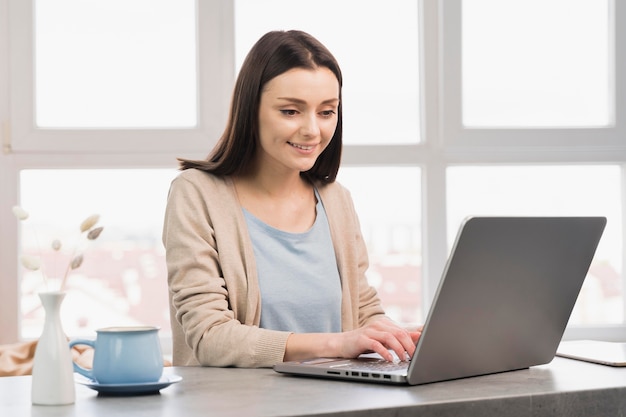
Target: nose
(310,126)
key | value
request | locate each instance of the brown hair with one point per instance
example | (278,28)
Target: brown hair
(274,53)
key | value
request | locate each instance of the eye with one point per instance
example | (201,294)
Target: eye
(327,113)
(289,112)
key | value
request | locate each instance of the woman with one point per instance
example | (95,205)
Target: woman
(265,257)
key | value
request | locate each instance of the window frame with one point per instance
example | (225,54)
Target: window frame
(552,140)
(213,35)
(445,141)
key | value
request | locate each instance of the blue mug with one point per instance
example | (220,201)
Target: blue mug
(124,355)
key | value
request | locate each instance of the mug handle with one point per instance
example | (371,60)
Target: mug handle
(77,368)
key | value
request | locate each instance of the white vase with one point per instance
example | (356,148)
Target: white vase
(53,373)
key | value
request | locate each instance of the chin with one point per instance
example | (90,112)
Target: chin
(306,166)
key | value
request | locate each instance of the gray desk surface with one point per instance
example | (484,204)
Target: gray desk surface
(562,388)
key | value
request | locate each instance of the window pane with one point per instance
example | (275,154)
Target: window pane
(376,44)
(552,191)
(536,63)
(115,63)
(391,225)
(123,279)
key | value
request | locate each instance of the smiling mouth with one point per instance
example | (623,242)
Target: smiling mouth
(303,147)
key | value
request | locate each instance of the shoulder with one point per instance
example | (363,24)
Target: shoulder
(334,193)
(201,183)
(197,187)
(192,177)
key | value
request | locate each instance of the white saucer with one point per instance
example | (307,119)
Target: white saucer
(128,389)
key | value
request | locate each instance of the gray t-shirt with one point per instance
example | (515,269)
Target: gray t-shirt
(298,276)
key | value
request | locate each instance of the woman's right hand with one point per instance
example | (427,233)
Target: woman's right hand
(379,336)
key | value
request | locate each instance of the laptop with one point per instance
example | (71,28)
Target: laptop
(502,304)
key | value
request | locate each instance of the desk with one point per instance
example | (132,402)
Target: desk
(562,388)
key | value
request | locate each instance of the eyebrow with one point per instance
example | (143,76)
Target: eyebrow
(300,101)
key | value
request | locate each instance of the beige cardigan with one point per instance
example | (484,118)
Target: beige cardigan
(215,303)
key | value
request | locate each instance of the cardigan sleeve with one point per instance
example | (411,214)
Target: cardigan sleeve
(208,285)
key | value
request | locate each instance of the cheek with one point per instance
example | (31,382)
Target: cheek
(274,128)
(327,130)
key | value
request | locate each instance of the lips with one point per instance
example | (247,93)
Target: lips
(303,147)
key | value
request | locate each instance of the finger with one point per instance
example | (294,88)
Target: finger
(400,340)
(396,338)
(391,341)
(406,341)
(415,336)
(409,341)
(379,348)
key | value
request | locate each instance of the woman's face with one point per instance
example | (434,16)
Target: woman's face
(297,118)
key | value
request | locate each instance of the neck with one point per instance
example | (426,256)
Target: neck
(284,201)
(276,184)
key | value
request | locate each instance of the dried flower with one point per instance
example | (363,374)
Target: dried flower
(89,222)
(94,233)
(20,213)
(30,262)
(34,263)
(76,262)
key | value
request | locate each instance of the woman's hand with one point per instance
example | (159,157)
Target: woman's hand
(379,336)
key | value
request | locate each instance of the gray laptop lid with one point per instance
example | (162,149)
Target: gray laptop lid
(502,304)
(506,295)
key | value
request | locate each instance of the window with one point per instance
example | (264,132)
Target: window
(117,76)
(451,108)
(96,67)
(537,73)
(523,70)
